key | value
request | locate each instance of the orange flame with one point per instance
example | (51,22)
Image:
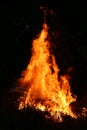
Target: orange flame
(44,90)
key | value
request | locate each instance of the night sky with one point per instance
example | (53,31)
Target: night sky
(19,24)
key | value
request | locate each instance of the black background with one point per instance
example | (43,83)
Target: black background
(19,24)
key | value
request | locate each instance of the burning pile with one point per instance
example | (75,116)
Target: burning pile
(44,89)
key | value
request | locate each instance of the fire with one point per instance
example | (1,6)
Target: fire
(44,89)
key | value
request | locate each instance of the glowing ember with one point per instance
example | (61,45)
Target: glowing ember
(44,89)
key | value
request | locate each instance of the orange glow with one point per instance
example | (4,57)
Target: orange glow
(45,90)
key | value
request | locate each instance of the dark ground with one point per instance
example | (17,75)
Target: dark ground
(19,24)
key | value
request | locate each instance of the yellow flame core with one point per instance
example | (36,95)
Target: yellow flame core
(45,91)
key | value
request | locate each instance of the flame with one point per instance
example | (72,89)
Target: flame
(45,90)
